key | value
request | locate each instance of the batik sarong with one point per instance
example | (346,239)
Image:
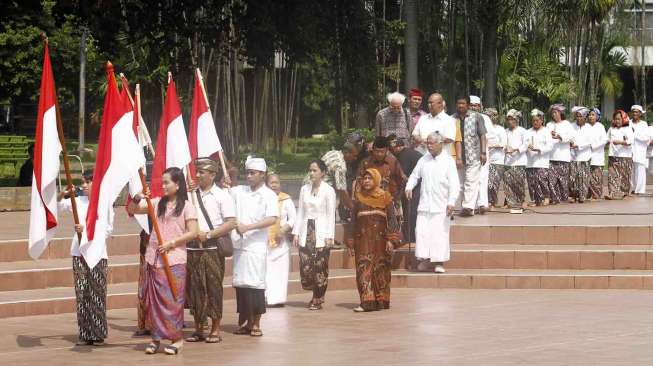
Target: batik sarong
(618,177)
(515,181)
(538,184)
(495,179)
(91,296)
(559,181)
(579,180)
(165,314)
(595,189)
(205,271)
(314,264)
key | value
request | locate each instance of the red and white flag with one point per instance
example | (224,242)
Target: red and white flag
(171,142)
(203,139)
(47,147)
(119,155)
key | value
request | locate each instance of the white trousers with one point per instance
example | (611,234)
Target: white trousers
(638,179)
(483,185)
(276,275)
(471,185)
(432,236)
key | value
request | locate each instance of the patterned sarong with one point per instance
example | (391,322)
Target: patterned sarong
(579,180)
(495,179)
(164,313)
(205,274)
(515,180)
(538,184)
(314,264)
(91,296)
(559,181)
(595,190)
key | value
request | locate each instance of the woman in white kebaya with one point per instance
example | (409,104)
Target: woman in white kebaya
(581,153)
(642,139)
(620,160)
(599,140)
(540,143)
(562,133)
(516,146)
(496,143)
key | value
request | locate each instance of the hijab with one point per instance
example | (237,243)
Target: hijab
(375,197)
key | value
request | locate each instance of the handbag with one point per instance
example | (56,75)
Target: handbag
(223,243)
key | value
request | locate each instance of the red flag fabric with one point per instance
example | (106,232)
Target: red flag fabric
(171,143)
(119,155)
(47,147)
(203,138)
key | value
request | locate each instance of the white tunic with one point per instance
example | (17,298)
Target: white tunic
(440,188)
(642,138)
(541,140)
(442,123)
(599,139)
(321,208)
(561,151)
(250,249)
(583,141)
(278,261)
(620,134)
(496,136)
(516,140)
(82,207)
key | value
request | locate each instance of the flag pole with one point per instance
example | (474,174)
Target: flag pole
(150,206)
(66,163)
(208,106)
(125,83)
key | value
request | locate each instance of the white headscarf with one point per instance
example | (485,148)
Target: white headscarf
(473,99)
(514,114)
(256,164)
(638,107)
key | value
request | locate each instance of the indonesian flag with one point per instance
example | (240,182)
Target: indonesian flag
(203,139)
(119,156)
(47,147)
(171,142)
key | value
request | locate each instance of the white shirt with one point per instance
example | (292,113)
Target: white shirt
(82,209)
(541,140)
(440,185)
(496,136)
(599,139)
(252,207)
(516,140)
(642,138)
(561,151)
(219,206)
(442,123)
(650,147)
(582,139)
(488,125)
(620,134)
(321,208)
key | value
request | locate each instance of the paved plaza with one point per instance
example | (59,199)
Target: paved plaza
(423,327)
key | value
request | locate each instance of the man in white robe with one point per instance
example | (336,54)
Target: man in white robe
(438,194)
(482,202)
(640,147)
(256,210)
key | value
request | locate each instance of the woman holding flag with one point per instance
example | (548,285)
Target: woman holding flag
(178,222)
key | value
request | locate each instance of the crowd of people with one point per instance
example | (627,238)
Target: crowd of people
(401,189)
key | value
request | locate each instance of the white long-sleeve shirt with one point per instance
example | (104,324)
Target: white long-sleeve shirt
(440,185)
(516,140)
(599,139)
(541,140)
(320,207)
(561,151)
(642,137)
(620,134)
(583,141)
(496,136)
(82,208)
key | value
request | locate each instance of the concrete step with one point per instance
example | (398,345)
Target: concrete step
(124,295)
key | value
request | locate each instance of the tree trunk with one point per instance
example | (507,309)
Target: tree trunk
(82,88)
(490,61)
(642,45)
(410,45)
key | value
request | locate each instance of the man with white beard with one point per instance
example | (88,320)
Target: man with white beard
(438,194)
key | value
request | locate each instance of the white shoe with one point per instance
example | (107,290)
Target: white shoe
(439,269)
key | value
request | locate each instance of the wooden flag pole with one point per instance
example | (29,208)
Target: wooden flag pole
(66,163)
(208,106)
(131,100)
(159,237)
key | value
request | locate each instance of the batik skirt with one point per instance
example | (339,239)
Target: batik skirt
(314,264)
(165,314)
(91,296)
(205,271)
(538,184)
(495,178)
(579,180)
(595,189)
(619,171)
(559,181)
(515,180)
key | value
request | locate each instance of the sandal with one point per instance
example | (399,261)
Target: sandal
(172,350)
(151,348)
(256,333)
(359,309)
(242,331)
(196,337)
(315,307)
(213,338)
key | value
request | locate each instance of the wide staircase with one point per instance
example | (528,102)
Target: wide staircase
(483,257)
